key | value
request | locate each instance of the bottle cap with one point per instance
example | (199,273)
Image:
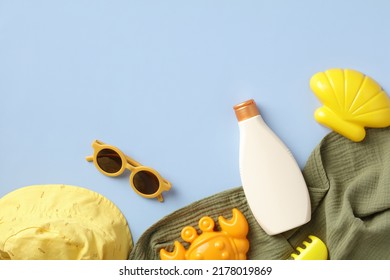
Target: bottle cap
(246,110)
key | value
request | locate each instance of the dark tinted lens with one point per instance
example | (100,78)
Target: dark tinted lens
(109,161)
(146,182)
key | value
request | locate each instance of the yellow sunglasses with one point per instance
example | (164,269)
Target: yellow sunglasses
(112,162)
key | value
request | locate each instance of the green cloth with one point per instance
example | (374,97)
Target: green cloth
(349,186)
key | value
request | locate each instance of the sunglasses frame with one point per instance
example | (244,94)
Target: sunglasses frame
(133,166)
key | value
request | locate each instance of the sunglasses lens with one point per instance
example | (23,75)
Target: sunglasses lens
(146,182)
(109,161)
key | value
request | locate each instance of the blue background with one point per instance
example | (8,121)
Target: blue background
(158,79)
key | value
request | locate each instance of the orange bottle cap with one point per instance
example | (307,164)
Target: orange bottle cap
(246,110)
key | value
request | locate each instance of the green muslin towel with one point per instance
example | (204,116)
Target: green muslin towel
(349,186)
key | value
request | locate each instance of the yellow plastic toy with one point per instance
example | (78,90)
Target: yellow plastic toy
(351,102)
(228,244)
(314,250)
(111,161)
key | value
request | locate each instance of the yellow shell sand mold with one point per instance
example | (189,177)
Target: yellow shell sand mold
(351,102)
(313,250)
(60,222)
(228,244)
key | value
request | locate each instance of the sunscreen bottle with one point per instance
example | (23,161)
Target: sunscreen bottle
(271,178)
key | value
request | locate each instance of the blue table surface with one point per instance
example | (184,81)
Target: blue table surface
(158,79)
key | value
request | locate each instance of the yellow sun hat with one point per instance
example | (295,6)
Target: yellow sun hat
(61,222)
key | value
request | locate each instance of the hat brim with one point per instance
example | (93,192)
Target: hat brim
(61,222)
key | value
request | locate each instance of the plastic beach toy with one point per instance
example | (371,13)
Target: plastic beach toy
(351,102)
(313,250)
(228,244)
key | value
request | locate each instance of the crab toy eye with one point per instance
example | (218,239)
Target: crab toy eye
(189,234)
(206,224)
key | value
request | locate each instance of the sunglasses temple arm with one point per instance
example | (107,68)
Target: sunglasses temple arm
(167,187)
(167,184)
(160,198)
(89,158)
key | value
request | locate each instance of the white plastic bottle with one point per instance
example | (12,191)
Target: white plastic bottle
(271,178)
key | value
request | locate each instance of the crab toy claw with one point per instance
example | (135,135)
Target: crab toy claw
(177,254)
(237,226)
(228,244)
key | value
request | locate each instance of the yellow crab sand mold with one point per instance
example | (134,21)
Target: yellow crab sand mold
(46,222)
(351,102)
(230,243)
